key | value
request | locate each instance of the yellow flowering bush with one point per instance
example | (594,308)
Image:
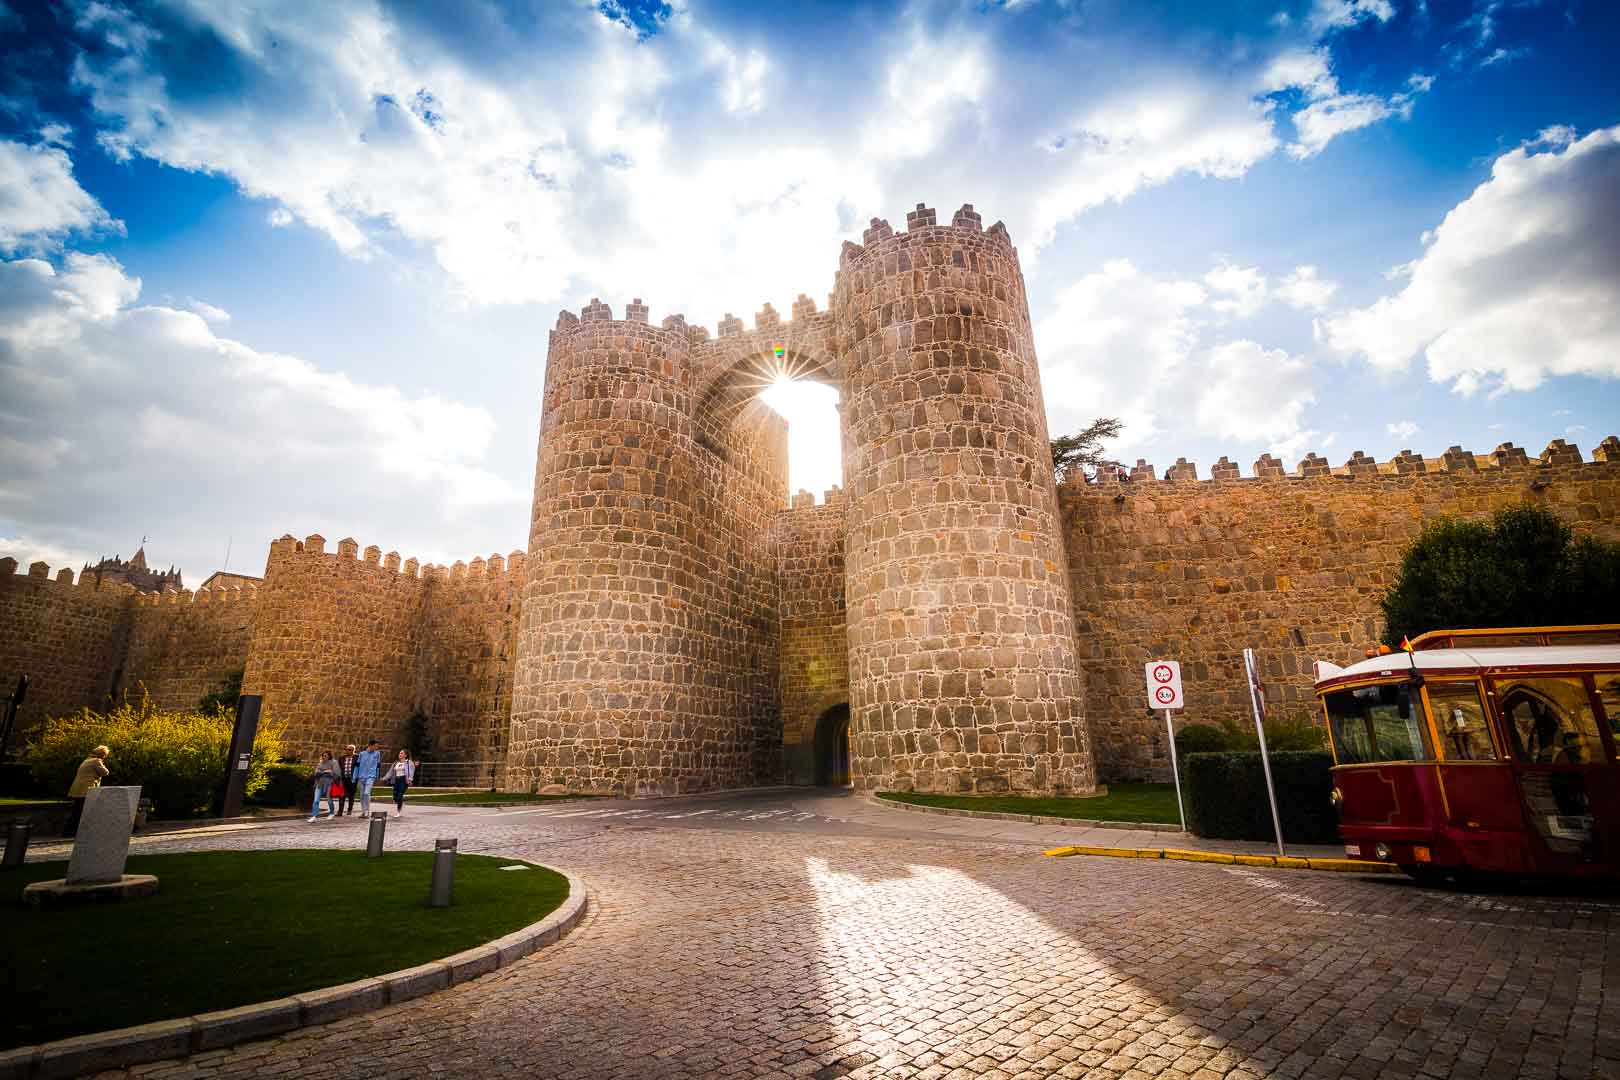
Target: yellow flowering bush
(177,758)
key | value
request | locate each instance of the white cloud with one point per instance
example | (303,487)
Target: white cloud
(1123,343)
(124,416)
(1325,119)
(1403,429)
(40,201)
(1521,281)
(208,311)
(1241,290)
(28,550)
(1305,289)
(568,153)
(1331,15)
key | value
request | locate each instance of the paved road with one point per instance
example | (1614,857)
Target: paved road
(762,936)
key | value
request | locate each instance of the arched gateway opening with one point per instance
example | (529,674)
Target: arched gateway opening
(832,748)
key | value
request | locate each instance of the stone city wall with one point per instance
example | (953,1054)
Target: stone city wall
(814,626)
(184,644)
(68,639)
(346,646)
(1292,565)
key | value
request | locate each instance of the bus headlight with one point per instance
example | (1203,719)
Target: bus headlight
(1382,851)
(1337,798)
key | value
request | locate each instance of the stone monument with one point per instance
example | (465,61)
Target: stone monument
(100,849)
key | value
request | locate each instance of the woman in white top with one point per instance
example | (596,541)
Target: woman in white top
(402,772)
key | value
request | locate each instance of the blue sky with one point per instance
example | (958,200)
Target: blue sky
(273,268)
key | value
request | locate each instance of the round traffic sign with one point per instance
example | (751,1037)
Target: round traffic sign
(1163,674)
(1164,695)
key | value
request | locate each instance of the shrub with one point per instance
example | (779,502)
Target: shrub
(1226,796)
(178,758)
(1202,739)
(225,694)
(285,784)
(1522,568)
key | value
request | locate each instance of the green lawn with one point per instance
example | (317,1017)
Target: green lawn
(14,800)
(230,928)
(1124,802)
(464,798)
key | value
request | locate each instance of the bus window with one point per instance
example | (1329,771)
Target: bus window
(1459,718)
(1376,723)
(1550,721)
(1608,688)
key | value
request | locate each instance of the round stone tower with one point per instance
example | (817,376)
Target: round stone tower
(961,632)
(612,690)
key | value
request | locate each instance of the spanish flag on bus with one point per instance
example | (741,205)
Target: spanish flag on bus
(1406,643)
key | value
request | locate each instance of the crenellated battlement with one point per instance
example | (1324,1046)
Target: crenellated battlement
(919,220)
(1454,461)
(806,500)
(288,547)
(88,582)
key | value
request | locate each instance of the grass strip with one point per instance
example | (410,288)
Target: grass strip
(230,928)
(1154,803)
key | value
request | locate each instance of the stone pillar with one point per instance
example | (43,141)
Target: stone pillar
(963,674)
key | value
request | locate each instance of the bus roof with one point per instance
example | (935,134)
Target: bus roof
(1438,660)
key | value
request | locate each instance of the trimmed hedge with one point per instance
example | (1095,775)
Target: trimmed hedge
(287,783)
(1226,796)
(1202,739)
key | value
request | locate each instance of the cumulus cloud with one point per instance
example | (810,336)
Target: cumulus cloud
(1240,290)
(1519,282)
(127,418)
(1124,343)
(40,201)
(1305,289)
(1403,429)
(582,149)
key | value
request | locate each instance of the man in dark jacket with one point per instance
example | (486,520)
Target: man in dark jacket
(346,765)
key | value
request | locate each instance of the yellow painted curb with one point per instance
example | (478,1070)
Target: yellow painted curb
(1113,852)
(1200,856)
(1354,866)
(1284,862)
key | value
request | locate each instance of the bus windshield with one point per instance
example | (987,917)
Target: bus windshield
(1375,724)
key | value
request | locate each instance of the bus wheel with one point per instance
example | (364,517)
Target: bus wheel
(1432,877)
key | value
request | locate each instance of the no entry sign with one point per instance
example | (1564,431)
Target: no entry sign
(1164,684)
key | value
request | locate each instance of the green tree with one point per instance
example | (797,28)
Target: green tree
(1524,567)
(1085,447)
(224,695)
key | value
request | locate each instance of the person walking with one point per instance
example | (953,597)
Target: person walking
(91,770)
(401,772)
(366,768)
(325,773)
(348,764)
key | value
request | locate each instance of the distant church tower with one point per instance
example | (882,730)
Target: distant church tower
(135,572)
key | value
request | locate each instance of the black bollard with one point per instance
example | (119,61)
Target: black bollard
(444,871)
(16,845)
(374,838)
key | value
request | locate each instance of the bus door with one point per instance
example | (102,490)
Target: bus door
(1481,796)
(1561,758)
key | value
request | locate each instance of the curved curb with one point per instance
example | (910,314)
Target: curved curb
(1028,819)
(123,1047)
(1280,862)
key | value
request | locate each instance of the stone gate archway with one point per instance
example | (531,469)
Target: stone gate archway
(832,748)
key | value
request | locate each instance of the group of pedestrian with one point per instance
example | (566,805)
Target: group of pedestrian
(339,777)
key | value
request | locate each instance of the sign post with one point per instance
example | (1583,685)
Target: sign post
(1164,692)
(1257,700)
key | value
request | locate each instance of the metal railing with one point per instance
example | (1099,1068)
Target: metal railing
(480,775)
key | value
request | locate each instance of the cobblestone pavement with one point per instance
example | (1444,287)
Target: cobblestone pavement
(747,951)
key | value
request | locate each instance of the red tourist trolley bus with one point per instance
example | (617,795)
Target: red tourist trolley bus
(1481,750)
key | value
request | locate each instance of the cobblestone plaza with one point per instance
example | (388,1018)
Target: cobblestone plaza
(781,935)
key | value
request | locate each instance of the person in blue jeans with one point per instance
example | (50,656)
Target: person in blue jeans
(368,763)
(325,773)
(401,772)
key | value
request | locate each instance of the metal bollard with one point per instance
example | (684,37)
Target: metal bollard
(16,844)
(444,871)
(374,838)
